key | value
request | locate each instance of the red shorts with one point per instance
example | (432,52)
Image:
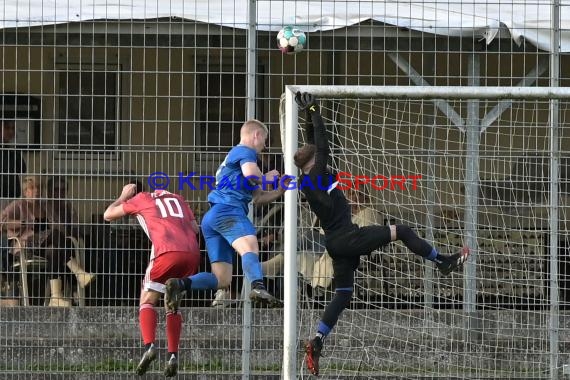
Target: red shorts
(168,265)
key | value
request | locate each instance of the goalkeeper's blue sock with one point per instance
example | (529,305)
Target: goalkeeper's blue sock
(323,330)
(201,281)
(252,267)
(435,256)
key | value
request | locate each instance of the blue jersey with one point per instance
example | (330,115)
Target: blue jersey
(231,186)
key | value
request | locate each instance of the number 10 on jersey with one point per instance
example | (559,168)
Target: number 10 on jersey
(169,207)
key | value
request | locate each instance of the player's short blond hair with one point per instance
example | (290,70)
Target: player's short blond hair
(253,125)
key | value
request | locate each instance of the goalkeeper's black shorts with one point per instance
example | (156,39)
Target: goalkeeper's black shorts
(345,249)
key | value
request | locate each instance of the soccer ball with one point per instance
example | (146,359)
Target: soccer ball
(291,40)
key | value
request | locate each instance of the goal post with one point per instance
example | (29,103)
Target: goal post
(488,168)
(289,144)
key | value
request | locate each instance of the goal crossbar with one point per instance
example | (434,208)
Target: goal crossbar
(435,92)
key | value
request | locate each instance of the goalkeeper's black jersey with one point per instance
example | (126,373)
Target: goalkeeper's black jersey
(320,185)
(330,206)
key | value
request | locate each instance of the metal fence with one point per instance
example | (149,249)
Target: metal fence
(101,94)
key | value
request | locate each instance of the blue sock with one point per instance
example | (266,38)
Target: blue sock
(203,281)
(323,330)
(252,267)
(432,255)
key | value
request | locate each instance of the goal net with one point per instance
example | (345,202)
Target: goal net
(460,171)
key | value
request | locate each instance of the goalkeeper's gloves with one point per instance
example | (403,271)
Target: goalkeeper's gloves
(307,101)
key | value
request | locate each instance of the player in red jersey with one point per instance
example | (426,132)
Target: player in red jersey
(170,225)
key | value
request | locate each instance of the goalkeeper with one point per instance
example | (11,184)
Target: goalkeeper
(345,241)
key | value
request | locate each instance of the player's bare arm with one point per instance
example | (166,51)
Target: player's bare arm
(115,210)
(252,171)
(263,197)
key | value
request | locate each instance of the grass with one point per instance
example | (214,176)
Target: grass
(129,366)
(217,366)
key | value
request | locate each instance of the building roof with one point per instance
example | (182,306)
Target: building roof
(526,20)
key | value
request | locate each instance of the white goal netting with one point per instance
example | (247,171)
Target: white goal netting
(406,162)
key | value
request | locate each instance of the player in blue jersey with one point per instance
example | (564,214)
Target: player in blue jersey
(226,226)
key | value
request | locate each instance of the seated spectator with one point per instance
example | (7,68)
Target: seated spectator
(362,213)
(270,241)
(62,216)
(269,221)
(60,211)
(271,247)
(312,259)
(29,220)
(314,263)
(12,166)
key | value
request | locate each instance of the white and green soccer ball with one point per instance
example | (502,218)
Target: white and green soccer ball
(291,40)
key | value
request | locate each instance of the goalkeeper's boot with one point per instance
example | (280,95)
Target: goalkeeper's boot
(261,297)
(453,262)
(173,293)
(313,353)
(171,367)
(148,357)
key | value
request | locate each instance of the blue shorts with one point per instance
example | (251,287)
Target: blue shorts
(221,226)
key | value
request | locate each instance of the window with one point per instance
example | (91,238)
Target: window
(25,112)
(223,105)
(88,108)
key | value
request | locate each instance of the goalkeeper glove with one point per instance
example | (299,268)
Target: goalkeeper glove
(306,101)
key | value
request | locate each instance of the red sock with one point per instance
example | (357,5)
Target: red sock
(147,322)
(173,330)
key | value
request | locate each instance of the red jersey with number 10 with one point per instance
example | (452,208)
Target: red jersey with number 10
(166,219)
